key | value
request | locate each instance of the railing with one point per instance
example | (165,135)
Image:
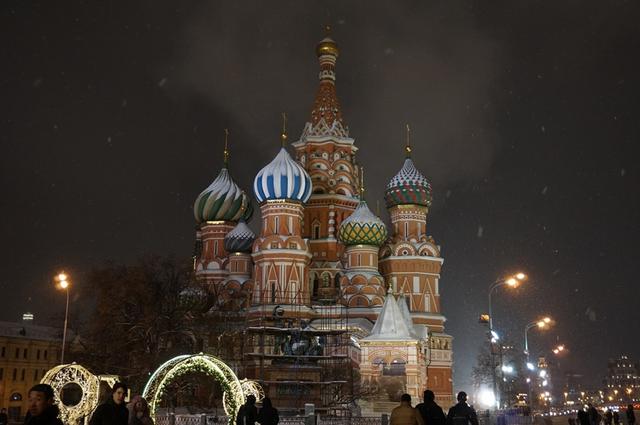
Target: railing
(204,419)
(354,420)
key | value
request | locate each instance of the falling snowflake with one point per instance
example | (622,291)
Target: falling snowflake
(162,82)
(544,190)
(622,172)
(480,231)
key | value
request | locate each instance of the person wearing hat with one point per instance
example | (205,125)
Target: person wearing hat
(42,408)
(462,413)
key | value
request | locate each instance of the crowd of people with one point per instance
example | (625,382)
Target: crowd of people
(114,411)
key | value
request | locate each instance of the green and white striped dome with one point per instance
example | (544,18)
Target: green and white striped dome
(222,200)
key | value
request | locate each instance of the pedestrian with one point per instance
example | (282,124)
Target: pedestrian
(608,417)
(113,411)
(42,408)
(583,417)
(616,418)
(594,416)
(139,411)
(4,419)
(268,415)
(631,417)
(248,412)
(462,413)
(405,414)
(432,414)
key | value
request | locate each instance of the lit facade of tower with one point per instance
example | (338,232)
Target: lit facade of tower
(217,210)
(327,152)
(411,263)
(280,254)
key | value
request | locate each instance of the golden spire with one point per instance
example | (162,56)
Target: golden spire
(283,136)
(361,183)
(226,148)
(407,147)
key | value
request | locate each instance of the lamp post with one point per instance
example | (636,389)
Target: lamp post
(63,283)
(512,282)
(540,324)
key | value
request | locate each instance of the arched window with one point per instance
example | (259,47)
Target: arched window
(316,230)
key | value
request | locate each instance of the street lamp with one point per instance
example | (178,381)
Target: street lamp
(511,281)
(63,283)
(541,324)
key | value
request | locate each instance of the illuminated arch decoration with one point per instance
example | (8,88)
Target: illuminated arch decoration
(65,374)
(233,396)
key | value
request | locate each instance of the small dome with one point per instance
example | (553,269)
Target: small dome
(282,178)
(222,200)
(409,186)
(362,227)
(327,47)
(239,239)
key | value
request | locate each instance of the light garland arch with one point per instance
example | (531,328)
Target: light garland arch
(62,375)
(233,396)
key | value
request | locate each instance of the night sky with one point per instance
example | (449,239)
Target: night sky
(524,116)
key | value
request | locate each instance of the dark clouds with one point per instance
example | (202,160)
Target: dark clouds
(524,115)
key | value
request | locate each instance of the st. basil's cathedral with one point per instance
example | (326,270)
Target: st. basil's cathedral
(327,304)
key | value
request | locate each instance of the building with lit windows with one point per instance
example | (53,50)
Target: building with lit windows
(27,351)
(326,303)
(622,383)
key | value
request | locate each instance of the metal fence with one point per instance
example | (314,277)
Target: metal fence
(204,419)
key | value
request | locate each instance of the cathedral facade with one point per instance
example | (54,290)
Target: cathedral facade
(325,286)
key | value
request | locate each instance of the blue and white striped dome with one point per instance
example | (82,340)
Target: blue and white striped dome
(282,178)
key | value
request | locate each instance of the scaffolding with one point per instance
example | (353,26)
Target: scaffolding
(301,354)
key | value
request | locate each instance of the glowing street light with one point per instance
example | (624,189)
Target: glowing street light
(63,283)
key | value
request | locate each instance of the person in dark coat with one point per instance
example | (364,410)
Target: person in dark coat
(616,418)
(42,409)
(139,413)
(631,417)
(268,415)
(113,411)
(432,414)
(4,419)
(248,412)
(608,417)
(583,417)
(594,416)
(462,413)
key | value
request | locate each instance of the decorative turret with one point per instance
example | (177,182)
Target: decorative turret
(240,239)
(223,200)
(283,178)
(409,186)
(362,228)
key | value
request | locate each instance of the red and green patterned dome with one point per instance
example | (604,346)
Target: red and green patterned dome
(408,187)
(362,228)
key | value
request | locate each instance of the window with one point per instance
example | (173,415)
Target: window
(277,229)
(316,231)
(45,354)
(17,353)
(22,375)
(274,245)
(273,293)
(35,374)
(215,248)
(38,355)
(1,373)
(15,374)
(24,354)
(3,351)
(292,245)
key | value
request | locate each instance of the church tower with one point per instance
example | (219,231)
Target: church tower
(217,210)
(280,254)
(327,153)
(411,263)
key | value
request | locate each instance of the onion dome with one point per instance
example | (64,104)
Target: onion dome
(282,178)
(223,200)
(239,239)
(409,186)
(362,227)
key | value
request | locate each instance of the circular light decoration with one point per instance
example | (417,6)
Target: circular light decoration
(249,388)
(67,375)
(233,396)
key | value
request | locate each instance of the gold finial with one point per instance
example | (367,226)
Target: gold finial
(226,148)
(283,136)
(407,147)
(362,183)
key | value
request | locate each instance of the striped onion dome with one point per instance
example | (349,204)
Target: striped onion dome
(282,178)
(362,227)
(409,186)
(239,239)
(222,200)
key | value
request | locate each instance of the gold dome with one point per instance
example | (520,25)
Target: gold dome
(327,47)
